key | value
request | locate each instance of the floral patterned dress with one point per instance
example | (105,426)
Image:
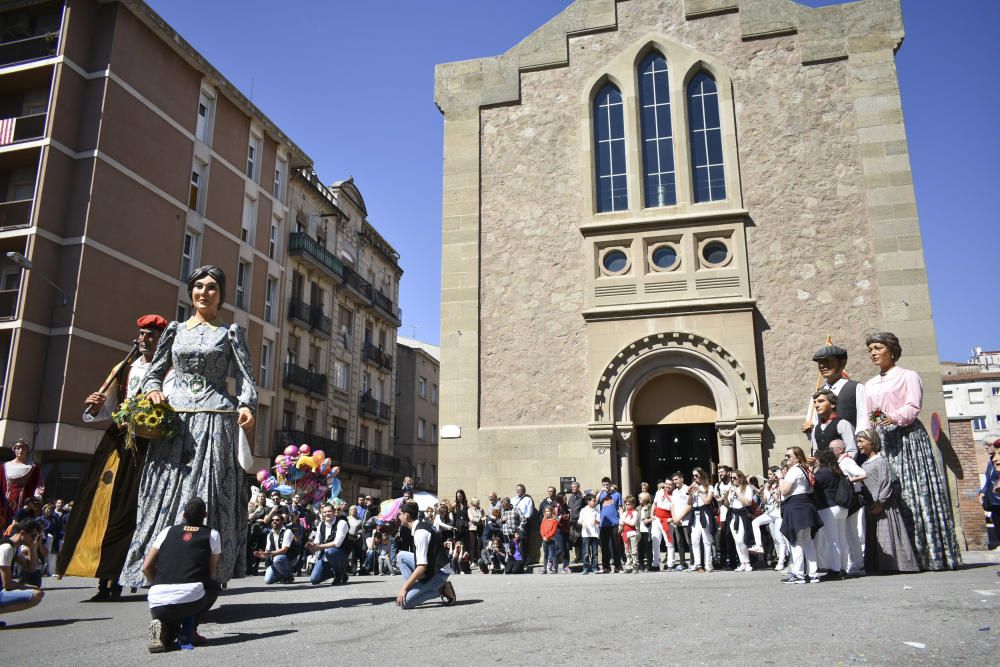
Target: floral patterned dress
(201,460)
(925,506)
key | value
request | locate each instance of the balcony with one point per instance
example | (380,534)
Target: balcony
(31,48)
(22,128)
(366,291)
(375,355)
(357,284)
(8,304)
(371,407)
(15,214)
(299,311)
(351,458)
(305,380)
(301,245)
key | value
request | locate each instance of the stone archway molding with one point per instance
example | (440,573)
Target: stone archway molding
(681,352)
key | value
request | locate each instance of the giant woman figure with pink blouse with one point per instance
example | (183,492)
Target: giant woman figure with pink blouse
(895,397)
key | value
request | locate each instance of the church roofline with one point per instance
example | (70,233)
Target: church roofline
(823,34)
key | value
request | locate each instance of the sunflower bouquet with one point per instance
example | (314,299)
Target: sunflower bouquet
(143,419)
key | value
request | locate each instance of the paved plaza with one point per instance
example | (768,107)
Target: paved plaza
(690,619)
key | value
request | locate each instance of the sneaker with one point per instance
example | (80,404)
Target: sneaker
(832,576)
(679,568)
(813,579)
(565,570)
(586,571)
(756,549)
(157,635)
(693,568)
(544,570)
(793,579)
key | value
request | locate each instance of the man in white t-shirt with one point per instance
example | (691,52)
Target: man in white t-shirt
(660,527)
(681,521)
(426,569)
(181,564)
(278,543)
(15,596)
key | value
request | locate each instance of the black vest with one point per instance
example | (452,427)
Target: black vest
(436,556)
(826,434)
(847,403)
(184,556)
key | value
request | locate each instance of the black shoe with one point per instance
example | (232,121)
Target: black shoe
(833,576)
(102,595)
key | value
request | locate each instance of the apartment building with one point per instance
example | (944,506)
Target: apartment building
(341,294)
(126,159)
(418,367)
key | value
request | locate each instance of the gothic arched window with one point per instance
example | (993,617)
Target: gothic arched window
(657,132)
(609,150)
(707,168)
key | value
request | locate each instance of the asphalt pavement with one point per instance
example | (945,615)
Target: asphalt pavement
(618,619)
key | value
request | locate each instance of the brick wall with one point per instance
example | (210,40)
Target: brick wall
(963,461)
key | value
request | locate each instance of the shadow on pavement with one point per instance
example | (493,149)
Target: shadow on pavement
(51,623)
(240,637)
(292,587)
(237,613)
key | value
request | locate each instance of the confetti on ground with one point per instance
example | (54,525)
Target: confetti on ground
(916,644)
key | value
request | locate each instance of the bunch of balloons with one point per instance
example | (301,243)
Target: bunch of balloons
(301,470)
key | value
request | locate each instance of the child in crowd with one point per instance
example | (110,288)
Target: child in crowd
(630,536)
(548,530)
(589,521)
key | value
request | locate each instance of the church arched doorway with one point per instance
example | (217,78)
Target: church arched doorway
(674,416)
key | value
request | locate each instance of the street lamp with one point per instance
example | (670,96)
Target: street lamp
(26,264)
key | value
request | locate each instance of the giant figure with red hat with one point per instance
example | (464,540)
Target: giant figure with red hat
(103,519)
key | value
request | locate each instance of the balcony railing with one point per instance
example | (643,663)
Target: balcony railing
(374,354)
(15,214)
(366,290)
(305,380)
(8,304)
(298,310)
(302,245)
(310,316)
(361,286)
(22,128)
(32,48)
(372,407)
(342,454)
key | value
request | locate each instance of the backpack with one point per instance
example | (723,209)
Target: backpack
(844,492)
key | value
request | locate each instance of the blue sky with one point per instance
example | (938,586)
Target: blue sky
(352,83)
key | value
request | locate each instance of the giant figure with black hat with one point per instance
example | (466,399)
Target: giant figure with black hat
(831,361)
(103,518)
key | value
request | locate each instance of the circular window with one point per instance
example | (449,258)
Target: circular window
(715,253)
(615,261)
(664,257)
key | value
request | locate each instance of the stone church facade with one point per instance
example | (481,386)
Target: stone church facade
(654,211)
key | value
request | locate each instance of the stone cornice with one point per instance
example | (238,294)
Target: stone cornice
(823,34)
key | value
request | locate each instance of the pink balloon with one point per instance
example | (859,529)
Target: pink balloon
(305,449)
(319,456)
(262,475)
(291,450)
(278,459)
(269,483)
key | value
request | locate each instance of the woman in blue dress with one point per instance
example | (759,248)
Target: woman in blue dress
(202,458)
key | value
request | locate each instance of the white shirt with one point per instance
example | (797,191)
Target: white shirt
(279,540)
(846,432)
(850,467)
(662,500)
(721,490)
(679,499)
(798,478)
(736,500)
(590,520)
(421,545)
(163,594)
(6,555)
(525,504)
